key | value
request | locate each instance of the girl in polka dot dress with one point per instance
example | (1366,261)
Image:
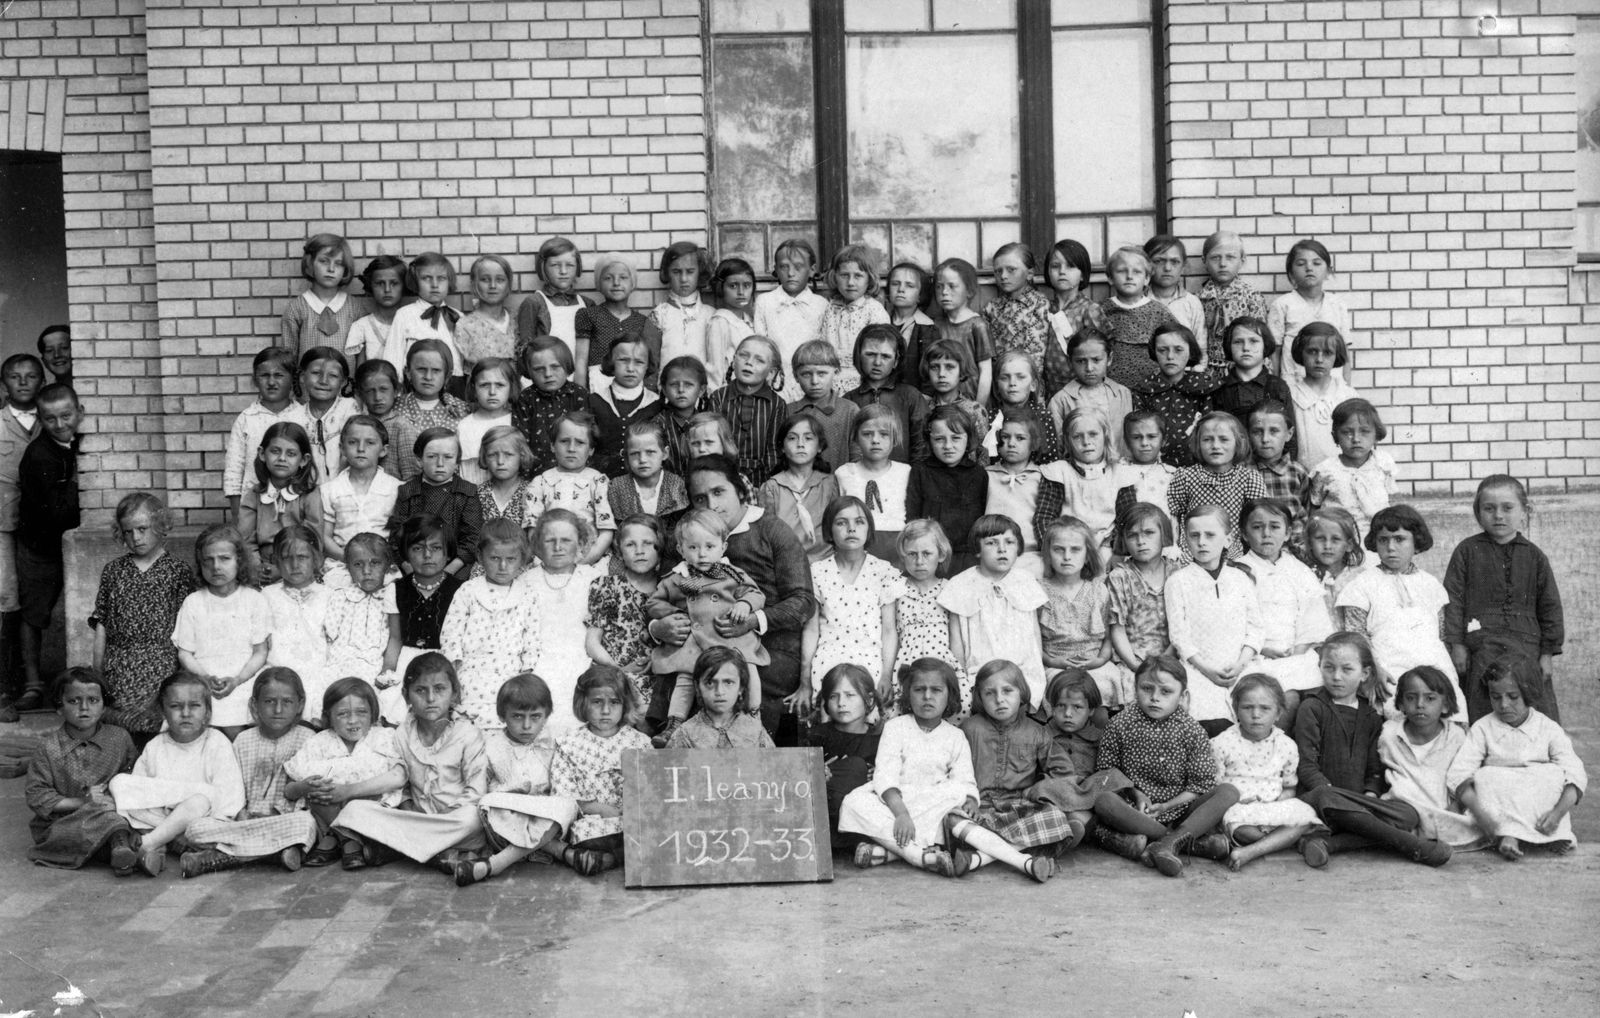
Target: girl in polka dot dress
(920,622)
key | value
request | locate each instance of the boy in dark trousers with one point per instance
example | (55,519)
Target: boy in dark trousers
(49,482)
(23,377)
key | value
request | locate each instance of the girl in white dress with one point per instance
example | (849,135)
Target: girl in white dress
(298,604)
(923,771)
(1308,267)
(922,627)
(493,384)
(519,814)
(185,773)
(1294,618)
(1213,618)
(1518,773)
(558,588)
(1258,759)
(222,629)
(856,592)
(878,481)
(734,286)
(1397,605)
(1317,387)
(993,606)
(360,499)
(1089,475)
(1417,748)
(491,629)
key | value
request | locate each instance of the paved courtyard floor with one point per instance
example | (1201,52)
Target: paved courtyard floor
(1370,935)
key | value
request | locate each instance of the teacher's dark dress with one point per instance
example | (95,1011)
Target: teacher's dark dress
(773,556)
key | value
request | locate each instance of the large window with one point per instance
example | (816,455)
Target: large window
(931,129)
(1587,239)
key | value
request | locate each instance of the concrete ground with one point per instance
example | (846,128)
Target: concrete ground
(1369,935)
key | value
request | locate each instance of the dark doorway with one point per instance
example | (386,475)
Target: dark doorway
(33,248)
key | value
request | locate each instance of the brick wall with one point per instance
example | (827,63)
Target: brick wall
(464,128)
(1437,165)
(103,135)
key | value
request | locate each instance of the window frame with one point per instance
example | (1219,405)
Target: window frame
(1584,257)
(1035,35)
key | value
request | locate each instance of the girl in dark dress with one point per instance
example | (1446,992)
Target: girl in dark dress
(849,744)
(135,611)
(423,597)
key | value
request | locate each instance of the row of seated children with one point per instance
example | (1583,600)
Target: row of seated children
(1146,783)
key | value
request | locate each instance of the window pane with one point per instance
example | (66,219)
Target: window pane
(997,236)
(913,242)
(1088,232)
(759,16)
(1123,231)
(1104,123)
(765,152)
(1588,85)
(1586,238)
(886,15)
(1098,12)
(927,142)
(969,15)
(959,240)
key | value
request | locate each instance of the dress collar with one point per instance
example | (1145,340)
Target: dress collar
(317,305)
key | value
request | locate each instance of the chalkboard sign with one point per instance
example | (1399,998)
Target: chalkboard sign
(724,816)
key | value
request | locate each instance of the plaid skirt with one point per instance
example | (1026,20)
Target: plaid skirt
(254,837)
(1021,821)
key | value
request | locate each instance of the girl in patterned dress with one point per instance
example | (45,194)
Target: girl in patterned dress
(1019,318)
(616,626)
(648,487)
(856,593)
(299,603)
(519,814)
(574,485)
(853,281)
(363,622)
(1073,619)
(588,767)
(1221,476)
(135,611)
(491,630)
(1136,611)
(509,461)
(922,628)
(1132,316)
(487,331)
(1361,479)
(1180,395)
(598,327)
(1260,760)
(1017,388)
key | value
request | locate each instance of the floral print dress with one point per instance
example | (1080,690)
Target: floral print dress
(589,769)
(1020,321)
(138,611)
(494,632)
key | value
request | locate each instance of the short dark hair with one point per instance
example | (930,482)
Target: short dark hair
(56,392)
(953,417)
(1399,517)
(428,663)
(1174,329)
(525,691)
(993,525)
(599,676)
(51,330)
(422,526)
(432,435)
(1434,681)
(1319,330)
(1168,663)
(349,686)
(998,668)
(926,666)
(278,673)
(555,247)
(423,261)
(1307,244)
(1278,507)
(838,506)
(1359,408)
(718,463)
(808,417)
(1269,342)
(1073,680)
(1076,255)
(1521,668)
(683,249)
(22,358)
(378,366)
(83,676)
(328,242)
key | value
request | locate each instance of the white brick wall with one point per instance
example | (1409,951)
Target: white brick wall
(1437,166)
